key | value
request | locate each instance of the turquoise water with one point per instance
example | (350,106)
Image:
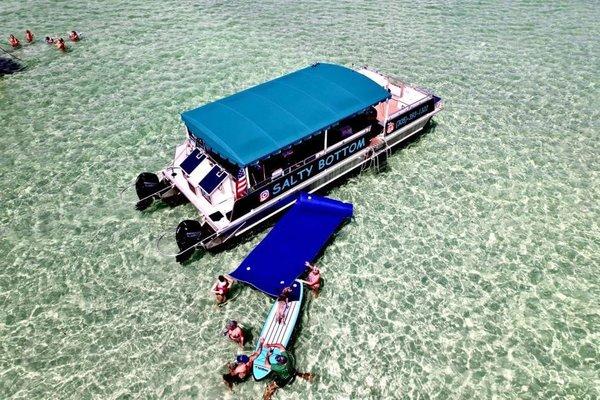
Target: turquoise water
(470,270)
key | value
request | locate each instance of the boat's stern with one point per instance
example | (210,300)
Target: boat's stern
(194,176)
(209,187)
(404,96)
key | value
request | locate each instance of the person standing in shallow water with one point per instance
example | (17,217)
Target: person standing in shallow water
(29,36)
(60,44)
(221,288)
(235,333)
(239,371)
(283,366)
(314,279)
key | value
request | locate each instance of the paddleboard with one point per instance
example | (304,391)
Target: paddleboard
(275,332)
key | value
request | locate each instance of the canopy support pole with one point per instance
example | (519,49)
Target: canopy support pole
(247,177)
(386,117)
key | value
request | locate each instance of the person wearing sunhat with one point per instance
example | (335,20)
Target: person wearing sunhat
(282,365)
(240,370)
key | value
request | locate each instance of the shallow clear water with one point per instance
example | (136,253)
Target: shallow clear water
(470,270)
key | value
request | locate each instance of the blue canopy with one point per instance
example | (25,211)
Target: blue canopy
(299,236)
(259,121)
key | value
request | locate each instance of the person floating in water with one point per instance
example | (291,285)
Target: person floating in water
(282,365)
(239,370)
(235,333)
(60,44)
(29,36)
(49,40)
(221,288)
(14,42)
(74,36)
(283,301)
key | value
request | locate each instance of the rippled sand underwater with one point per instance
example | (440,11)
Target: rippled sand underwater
(469,271)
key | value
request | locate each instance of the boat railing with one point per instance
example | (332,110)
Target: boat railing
(408,106)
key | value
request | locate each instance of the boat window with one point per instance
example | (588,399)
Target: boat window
(349,126)
(306,149)
(256,174)
(287,158)
(228,166)
(273,163)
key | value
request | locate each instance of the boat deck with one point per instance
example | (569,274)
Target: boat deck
(214,205)
(403,95)
(402,98)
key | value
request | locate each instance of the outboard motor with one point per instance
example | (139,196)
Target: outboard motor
(148,187)
(188,234)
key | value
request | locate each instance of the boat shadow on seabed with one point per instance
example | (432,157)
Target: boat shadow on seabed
(8,66)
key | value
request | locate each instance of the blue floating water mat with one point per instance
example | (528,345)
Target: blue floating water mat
(299,236)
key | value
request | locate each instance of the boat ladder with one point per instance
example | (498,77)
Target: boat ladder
(378,155)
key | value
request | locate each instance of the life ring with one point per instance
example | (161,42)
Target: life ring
(390,127)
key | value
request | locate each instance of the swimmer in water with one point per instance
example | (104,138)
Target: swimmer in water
(60,44)
(49,40)
(73,36)
(14,42)
(235,333)
(283,369)
(28,36)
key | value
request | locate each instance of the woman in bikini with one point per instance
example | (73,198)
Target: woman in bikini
(60,44)
(313,281)
(221,288)
(73,36)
